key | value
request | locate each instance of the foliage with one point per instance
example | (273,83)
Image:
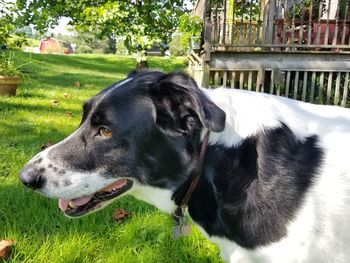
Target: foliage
(176,47)
(243,9)
(143,23)
(303,9)
(88,42)
(6,25)
(8,36)
(344,9)
(121,48)
(189,26)
(8,64)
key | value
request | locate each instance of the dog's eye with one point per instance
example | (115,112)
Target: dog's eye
(105,132)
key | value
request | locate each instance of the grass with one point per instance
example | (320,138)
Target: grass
(38,114)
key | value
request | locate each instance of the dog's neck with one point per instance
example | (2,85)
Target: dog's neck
(249,193)
(171,177)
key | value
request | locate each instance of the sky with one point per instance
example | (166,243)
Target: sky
(61,28)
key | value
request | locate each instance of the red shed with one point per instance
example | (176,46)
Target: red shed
(52,45)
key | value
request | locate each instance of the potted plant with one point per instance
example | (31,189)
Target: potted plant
(190,28)
(10,74)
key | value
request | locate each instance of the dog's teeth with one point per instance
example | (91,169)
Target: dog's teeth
(72,205)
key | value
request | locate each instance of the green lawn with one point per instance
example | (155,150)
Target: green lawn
(42,233)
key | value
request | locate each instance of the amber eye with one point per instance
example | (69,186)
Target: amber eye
(105,132)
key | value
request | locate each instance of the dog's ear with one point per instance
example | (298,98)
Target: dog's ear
(181,105)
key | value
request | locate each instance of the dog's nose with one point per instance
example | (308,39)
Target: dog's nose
(31,178)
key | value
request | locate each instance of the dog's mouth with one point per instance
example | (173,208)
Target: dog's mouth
(88,204)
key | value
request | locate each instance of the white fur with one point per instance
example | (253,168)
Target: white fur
(158,197)
(321,231)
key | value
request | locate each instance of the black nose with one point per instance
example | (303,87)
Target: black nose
(31,178)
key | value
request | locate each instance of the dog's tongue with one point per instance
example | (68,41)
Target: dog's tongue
(118,184)
(63,204)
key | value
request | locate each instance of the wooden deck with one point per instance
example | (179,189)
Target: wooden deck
(268,25)
(260,45)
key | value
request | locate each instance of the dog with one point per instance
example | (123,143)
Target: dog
(264,177)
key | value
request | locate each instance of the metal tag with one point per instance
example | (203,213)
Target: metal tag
(186,230)
(176,232)
(181,228)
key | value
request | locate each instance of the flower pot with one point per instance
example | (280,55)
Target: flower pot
(196,43)
(8,85)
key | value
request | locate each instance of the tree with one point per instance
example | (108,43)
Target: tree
(5,22)
(141,23)
(9,36)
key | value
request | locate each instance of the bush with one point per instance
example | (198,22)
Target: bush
(85,49)
(176,46)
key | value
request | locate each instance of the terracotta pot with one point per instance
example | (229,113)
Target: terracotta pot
(8,85)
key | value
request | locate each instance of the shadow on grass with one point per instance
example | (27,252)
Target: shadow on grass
(68,80)
(113,64)
(56,70)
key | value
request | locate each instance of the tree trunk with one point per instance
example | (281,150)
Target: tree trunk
(142,64)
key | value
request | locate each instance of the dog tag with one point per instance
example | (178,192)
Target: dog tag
(186,230)
(176,232)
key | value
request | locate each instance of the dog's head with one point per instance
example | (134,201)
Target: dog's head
(141,131)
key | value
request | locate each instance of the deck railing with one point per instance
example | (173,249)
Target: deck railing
(276,25)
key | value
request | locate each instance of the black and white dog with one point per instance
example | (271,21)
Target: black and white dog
(275,180)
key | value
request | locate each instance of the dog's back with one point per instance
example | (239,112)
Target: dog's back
(320,231)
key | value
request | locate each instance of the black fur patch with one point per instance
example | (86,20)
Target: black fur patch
(249,193)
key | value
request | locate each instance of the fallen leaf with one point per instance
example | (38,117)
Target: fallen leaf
(120,215)
(55,103)
(5,248)
(69,114)
(77,84)
(46,145)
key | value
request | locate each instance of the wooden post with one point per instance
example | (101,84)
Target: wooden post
(345,90)
(264,14)
(207,32)
(205,76)
(224,24)
(326,41)
(335,33)
(344,25)
(271,12)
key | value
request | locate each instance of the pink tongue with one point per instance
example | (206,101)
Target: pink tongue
(63,204)
(118,184)
(81,201)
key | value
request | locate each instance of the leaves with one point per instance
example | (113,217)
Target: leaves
(5,248)
(120,215)
(135,21)
(55,103)
(46,145)
(70,114)
(189,26)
